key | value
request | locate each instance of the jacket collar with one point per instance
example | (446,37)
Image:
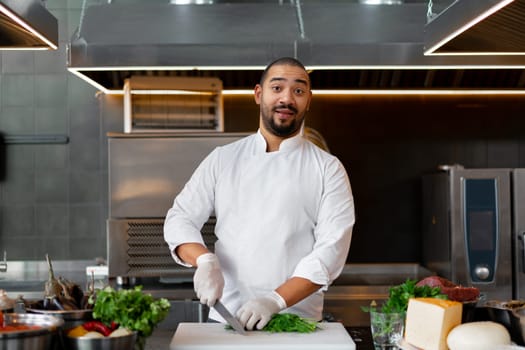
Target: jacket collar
(287,145)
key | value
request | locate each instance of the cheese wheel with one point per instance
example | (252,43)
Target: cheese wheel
(429,320)
(484,335)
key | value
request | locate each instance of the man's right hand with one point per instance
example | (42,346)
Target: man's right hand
(208,281)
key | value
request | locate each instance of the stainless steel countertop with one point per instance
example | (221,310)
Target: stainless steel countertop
(358,285)
(27,278)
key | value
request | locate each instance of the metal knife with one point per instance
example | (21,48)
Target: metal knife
(232,321)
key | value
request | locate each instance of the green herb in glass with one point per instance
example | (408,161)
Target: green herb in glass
(387,320)
(398,296)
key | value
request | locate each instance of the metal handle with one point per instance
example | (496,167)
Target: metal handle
(522,238)
(482,272)
(3,264)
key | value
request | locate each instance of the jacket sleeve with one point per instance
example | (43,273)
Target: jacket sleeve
(333,231)
(192,207)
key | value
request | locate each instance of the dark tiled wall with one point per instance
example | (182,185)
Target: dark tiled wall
(52,196)
(388,143)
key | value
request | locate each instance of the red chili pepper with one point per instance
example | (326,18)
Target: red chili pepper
(114,325)
(97,326)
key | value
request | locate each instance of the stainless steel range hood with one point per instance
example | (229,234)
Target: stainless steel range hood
(478,27)
(27,24)
(116,41)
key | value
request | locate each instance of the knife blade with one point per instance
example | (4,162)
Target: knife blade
(232,321)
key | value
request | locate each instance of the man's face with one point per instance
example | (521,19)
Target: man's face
(284,99)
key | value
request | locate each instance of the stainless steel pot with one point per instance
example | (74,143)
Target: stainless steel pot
(126,342)
(42,338)
(519,316)
(72,318)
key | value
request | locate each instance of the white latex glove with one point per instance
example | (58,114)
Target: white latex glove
(208,281)
(259,311)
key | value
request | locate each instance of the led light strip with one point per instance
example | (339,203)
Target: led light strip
(371,92)
(356,92)
(473,53)
(6,11)
(78,70)
(172,92)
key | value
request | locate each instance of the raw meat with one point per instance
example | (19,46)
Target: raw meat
(453,291)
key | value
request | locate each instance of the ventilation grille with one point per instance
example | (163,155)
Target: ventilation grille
(148,254)
(157,104)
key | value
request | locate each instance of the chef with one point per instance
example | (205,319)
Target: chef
(284,212)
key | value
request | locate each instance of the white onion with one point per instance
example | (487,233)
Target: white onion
(120,332)
(92,334)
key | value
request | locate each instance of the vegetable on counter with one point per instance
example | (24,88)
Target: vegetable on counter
(100,327)
(6,303)
(287,322)
(397,301)
(61,294)
(129,308)
(97,329)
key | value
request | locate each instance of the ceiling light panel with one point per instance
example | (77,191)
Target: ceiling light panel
(478,27)
(27,25)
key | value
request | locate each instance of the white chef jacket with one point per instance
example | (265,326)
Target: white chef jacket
(279,215)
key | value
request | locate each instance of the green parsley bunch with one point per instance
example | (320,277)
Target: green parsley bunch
(129,308)
(399,295)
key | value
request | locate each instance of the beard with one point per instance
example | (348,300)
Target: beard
(281,129)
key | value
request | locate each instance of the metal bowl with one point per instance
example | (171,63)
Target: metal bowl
(510,314)
(72,318)
(519,323)
(42,338)
(126,342)
(469,310)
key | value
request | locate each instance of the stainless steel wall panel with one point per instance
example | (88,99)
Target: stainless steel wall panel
(146,173)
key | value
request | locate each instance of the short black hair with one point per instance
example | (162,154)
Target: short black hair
(283,61)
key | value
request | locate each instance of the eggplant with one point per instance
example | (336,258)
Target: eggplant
(52,287)
(71,291)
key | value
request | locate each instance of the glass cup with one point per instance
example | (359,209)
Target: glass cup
(387,329)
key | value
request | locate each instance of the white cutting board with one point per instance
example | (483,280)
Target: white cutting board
(214,336)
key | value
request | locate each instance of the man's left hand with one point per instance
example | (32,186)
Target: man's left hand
(259,311)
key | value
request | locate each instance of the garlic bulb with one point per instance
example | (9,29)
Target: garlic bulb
(5,301)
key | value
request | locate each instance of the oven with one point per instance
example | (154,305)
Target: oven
(474,227)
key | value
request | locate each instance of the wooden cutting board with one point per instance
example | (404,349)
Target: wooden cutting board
(214,336)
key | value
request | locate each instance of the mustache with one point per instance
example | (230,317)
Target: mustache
(290,107)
